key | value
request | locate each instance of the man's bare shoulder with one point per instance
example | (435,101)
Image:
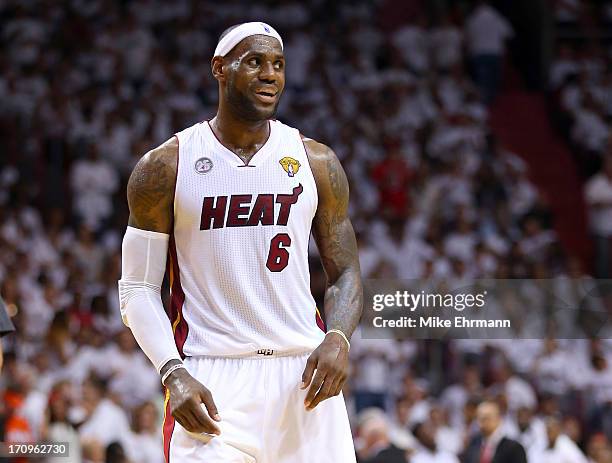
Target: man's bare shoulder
(150,189)
(317,152)
(328,173)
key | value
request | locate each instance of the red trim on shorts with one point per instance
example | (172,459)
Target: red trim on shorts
(167,429)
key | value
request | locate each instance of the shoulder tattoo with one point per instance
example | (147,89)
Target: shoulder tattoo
(150,189)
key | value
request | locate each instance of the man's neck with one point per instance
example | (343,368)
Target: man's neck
(495,436)
(242,137)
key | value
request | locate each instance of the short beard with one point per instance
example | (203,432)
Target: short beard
(244,107)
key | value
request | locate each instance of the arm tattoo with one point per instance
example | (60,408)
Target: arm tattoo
(336,241)
(150,189)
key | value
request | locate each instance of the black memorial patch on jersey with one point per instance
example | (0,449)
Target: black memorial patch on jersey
(242,211)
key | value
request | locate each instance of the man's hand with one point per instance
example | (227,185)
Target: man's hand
(186,396)
(330,360)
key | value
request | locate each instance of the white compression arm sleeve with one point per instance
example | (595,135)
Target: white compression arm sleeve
(143,264)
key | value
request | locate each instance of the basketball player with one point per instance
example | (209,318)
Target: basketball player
(252,374)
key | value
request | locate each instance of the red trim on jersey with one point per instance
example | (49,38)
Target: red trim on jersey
(180,327)
(177,296)
(167,428)
(178,153)
(319,320)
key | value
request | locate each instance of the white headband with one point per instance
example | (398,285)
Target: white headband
(243,31)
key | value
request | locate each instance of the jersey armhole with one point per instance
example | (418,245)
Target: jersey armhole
(176,178)
(314,180)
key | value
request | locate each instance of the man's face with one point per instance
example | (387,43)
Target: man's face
(553,429)
(523,417)
(255,71)
(488,417)
(427,435)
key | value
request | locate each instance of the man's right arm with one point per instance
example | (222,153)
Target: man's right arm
(150,193)
(150,190)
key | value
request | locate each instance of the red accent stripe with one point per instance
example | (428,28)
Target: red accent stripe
(320,322)
(318,319)
(167,430)
(177,298)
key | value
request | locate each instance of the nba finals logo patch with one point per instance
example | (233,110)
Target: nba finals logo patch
(290,165)
(203,165)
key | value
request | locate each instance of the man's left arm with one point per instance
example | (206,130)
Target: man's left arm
(335,238)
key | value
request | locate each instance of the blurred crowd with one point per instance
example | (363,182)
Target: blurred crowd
(88,86)
(581,88)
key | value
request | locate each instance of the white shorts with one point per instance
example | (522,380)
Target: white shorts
(263,416)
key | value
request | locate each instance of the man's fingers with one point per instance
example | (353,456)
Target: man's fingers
(316,384)
(324,393)
(311,365)
(203,422)
(209,403)
(193,418)
(338,385)
(186,420)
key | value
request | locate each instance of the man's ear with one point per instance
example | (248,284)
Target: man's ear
(217,68)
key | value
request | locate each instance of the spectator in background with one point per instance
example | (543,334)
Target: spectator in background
(564,66)
(598,377)
(598,449)
(446,41)
(518,392)
(6,327)
(132,382)
(492,446)
(548,368)
(412,43)
(531,432)
(93,181)
(15,427)
(448,438)
(590,130)
(400,424)
(88,253)
(486,33)
(58,427)
(560,448)
(93,452)
(373,444)
(427,451)
(115,454)
(34,400)
(391,176)
(145,442)
(457,395)
(598,195)
(105,422)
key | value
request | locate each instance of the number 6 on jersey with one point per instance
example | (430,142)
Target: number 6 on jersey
(278,256)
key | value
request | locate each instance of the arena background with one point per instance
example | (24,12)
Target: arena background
(466,159)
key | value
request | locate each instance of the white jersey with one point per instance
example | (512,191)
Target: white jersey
(238,253)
